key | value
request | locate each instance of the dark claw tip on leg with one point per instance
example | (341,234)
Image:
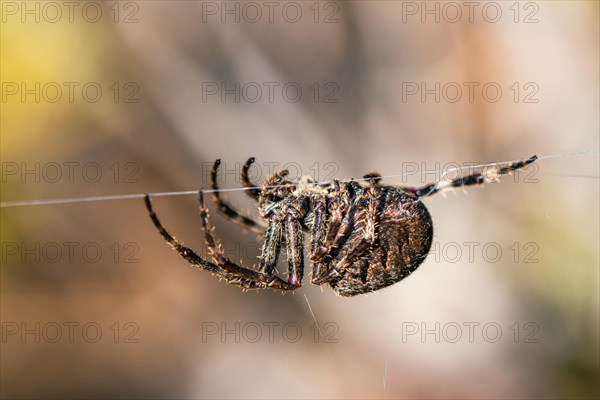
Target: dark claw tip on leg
(251,160)
(147,202)
(217,162)
(201,197)
(532,159)
(293,281)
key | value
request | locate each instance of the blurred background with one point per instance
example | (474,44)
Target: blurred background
(107,98)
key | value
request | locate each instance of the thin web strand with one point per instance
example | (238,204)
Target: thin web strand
(444,172)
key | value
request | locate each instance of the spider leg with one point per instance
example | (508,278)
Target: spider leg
(188,254)
(319,230)
(293,236)
(214,247)
(321,238)
(271,246)
(241,274)
(232,273)
(254,193)
(227,210)
(487,176)
(340,229)
(285,224)
(361,239)
(340,212)
(319,234)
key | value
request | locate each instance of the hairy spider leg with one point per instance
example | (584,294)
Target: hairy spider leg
(340,213)
(254,193)
(285,229)
(366,220)
(271,246)
(340,228)
(317,206)
(219,257)
(323,235)
(228,211)
(276,179)
(291,229)
(232,273)
(214,247)
(492,174)
(295,248)
(188,254)
(273,236)
(363,236)
(319,230)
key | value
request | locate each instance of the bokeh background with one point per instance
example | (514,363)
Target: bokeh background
(122,315)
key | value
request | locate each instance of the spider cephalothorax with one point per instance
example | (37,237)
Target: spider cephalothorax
(364,236)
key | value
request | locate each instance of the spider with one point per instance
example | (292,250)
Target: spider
(364,236)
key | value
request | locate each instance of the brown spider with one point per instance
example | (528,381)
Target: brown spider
(364,236)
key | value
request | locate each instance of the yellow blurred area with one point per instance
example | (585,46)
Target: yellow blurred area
(45,68)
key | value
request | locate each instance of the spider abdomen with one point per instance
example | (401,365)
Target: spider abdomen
(403,237)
